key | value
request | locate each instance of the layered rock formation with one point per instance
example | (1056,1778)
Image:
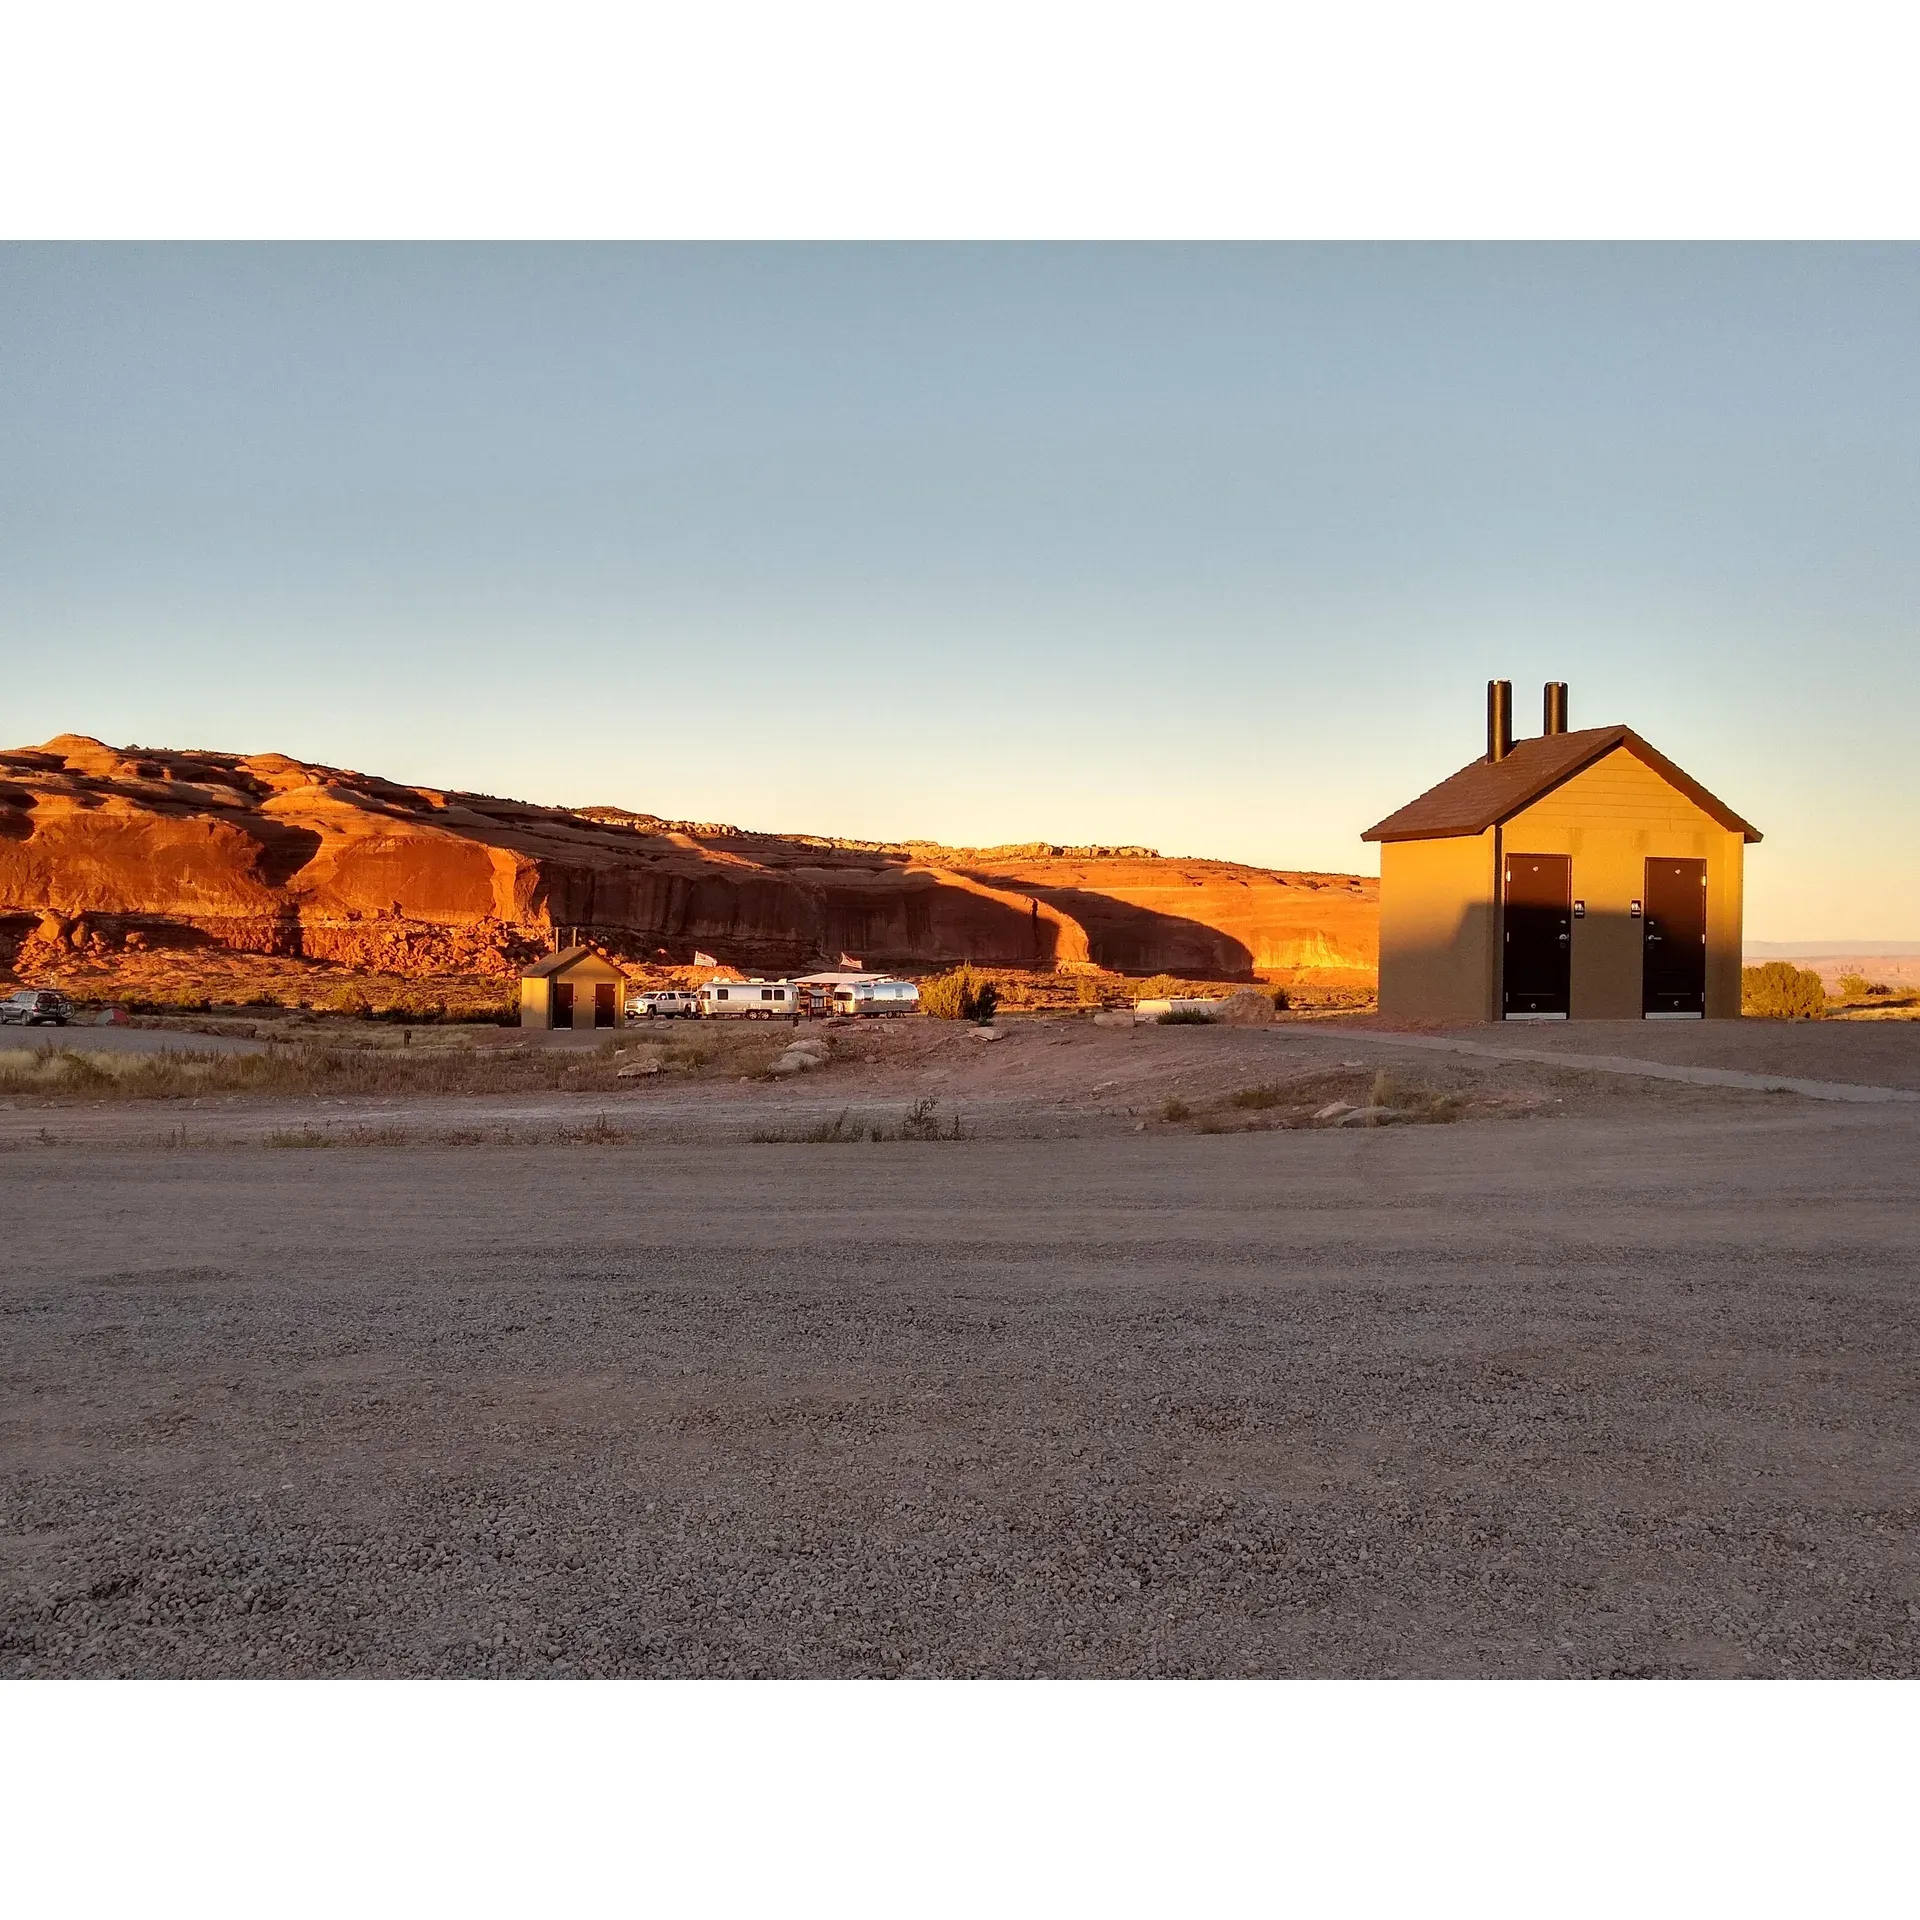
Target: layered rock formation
(1208,918)
(104,848)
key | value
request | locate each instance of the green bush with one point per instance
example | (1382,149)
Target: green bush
(1781,991)
(959,995)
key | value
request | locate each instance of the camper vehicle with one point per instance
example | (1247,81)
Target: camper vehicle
(664,1003)
(748,1000)
(876,997)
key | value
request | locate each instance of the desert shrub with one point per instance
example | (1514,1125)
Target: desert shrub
(1086,991)
(1856,986)
(1282,1000)
(1185,1017)
(409,1012)
(1176,1109)
(1781,991)
(945,995)
(959,995)
(1163,986)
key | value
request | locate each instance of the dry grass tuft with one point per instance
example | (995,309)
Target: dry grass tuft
(1414,1100)
(455,1065)
(1259,1099)
(921,1122)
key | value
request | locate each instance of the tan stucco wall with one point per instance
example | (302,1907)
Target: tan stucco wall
(584,974)
(1439,899)
(1437,919)
(1610,820)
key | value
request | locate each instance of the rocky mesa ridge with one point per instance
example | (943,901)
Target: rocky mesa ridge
(104,848)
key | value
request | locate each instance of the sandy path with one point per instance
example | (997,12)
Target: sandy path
(1697,1076)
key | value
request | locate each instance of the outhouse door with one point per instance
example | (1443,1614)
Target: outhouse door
(1673,941)
(562,1013)
(1536,958)
(603,1003)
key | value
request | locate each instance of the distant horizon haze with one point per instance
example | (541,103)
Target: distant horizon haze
(1204,548)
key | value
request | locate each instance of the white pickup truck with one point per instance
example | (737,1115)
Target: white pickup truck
(663,1003)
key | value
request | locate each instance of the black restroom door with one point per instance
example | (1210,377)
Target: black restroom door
(562,1015)
(1673,938)
(1536,971)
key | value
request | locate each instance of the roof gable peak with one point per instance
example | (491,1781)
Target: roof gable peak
(1484,793)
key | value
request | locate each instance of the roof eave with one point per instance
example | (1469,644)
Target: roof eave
(1622,739)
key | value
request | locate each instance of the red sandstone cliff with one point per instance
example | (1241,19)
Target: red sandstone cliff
(102,847)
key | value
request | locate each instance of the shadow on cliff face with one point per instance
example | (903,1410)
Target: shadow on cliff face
(889,913)
(1125,938)
(283,850)
(350,868)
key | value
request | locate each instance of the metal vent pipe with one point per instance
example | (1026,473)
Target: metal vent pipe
(1499,719)
(1553,707)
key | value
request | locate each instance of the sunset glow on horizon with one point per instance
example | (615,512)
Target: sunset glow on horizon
(1209,549)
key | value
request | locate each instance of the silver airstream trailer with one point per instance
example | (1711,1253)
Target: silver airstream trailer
(748,1000)
(878,998)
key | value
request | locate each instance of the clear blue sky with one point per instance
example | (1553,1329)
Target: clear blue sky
(1210,548)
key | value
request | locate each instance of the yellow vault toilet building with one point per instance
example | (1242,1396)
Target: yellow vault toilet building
(576,987)
(1580,875)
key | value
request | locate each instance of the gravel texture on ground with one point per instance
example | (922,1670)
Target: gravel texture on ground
(1627,1394)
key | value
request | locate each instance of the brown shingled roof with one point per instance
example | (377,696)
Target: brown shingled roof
(1486,792)
(557,962)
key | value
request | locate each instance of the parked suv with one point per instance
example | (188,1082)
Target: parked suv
(663,1003)
(36,1006)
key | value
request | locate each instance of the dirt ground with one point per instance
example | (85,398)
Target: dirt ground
(1608,1376)
(1040,1078)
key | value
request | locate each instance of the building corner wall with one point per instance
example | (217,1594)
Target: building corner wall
(1438,921)
(1726,932)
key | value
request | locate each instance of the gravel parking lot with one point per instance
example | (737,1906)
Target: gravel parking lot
(1628,1392)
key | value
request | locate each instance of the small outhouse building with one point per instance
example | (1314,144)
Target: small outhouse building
(577,988)
(1579,875)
